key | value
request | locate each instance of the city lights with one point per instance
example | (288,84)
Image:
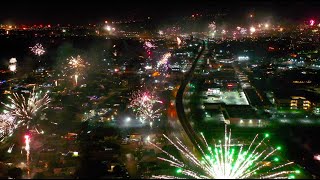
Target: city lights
(134,90)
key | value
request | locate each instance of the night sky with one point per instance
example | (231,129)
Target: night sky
(94,11)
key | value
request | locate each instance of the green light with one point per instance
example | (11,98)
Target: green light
(209,148)
(291,177)
(179,170)
(279,148)
(297,171)
(266,135)
(276,159)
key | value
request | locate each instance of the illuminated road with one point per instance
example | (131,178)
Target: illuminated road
(185,122)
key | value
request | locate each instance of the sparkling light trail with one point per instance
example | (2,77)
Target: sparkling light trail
(27,109)
(226,160)
(144,104)
(7,125)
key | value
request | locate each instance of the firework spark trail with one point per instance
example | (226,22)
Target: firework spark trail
(163,62)
(76,62)
(7,125)
(37,49)
(225,161)
(26,108)
(76,65)
(179,41)
(144,105)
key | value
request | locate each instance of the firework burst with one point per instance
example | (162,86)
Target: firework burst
(164,61)
(75,66)
(37,49)
(144,104)
(13,64)
(148,45)
(76,63)
(227,160)
(26,109)
(7,125)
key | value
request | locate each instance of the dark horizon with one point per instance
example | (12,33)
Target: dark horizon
(55,12)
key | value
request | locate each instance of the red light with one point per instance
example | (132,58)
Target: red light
(149,52)
(229,85)
(271,48)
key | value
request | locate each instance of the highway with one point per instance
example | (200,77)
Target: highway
(185,122)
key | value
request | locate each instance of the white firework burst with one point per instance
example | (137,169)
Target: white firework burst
(76,65)
(148,45)
(163,62)
(7,125)
(38,49)
(26,109)
(144,104)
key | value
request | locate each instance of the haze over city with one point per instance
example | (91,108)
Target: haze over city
(164,89)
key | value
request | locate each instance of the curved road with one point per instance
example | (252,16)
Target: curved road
(194,138)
